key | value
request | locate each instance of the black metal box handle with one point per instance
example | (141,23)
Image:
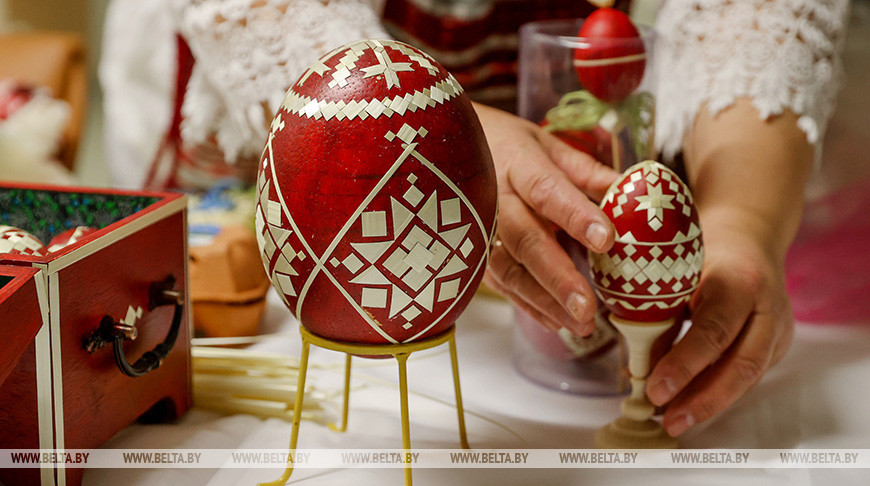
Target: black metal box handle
(114,332)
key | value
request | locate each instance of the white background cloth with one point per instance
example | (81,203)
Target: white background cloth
(815,398)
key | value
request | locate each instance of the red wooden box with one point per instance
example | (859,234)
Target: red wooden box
(55,393)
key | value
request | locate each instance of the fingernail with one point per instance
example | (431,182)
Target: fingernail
(577,305)
(661,391)
(681,422)
(596,235)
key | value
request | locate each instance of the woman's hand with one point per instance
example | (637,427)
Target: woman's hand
(741,326)
(747,176)
(543,182)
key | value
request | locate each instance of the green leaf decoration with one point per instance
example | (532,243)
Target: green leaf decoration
(580,110)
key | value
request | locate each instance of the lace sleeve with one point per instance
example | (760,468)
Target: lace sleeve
(783,54)
(248,52)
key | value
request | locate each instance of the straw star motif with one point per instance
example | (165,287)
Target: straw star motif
(654,202)
(387,67)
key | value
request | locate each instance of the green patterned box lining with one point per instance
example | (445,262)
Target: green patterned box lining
(46,214)
(4,280)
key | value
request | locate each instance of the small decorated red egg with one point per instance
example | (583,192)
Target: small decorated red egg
(18,241)
(69,237)
(611,58)
(655,263)
(377,196)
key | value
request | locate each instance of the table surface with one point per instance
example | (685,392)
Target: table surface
(816,398)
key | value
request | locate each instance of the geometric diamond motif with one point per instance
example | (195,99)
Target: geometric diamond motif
(449,289)
(408,256)
(627,269)
(679,267)
(439,254)
(640,278)
(413,196)
(416,279)
(396,263)
(466,248)
(655,271)
(352,263)
(418,257)
(411,313)
(416,236)
(451,211)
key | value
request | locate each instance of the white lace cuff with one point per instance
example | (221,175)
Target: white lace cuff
(248,52)
(783,54)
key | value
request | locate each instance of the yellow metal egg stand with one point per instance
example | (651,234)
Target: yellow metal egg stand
(399,351)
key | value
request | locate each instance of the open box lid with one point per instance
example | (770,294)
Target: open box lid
(22,313)
(47,211)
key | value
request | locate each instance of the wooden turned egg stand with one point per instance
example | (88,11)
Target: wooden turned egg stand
(399,351)
(636,429)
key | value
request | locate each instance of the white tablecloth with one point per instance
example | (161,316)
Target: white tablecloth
(816,398)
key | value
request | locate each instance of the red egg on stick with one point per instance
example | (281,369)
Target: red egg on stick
(646,280)
(611,59)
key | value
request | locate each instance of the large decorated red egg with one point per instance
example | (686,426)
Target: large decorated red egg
(611,57)
(18,241)
(377,196)
(655,263)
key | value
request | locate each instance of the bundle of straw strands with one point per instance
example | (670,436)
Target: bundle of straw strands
(241,380)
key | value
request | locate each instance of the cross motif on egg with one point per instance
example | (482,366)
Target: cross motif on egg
(387,67)
(655,203)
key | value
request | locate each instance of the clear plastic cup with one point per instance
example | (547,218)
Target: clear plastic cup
(596,95)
